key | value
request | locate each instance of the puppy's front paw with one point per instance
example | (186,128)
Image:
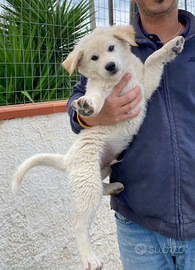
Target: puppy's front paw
(174,46)
(84,106)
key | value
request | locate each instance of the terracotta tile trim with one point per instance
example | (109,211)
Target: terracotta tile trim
(18,111)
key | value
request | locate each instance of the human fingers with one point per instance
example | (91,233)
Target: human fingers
(115,107)
(127,112)
(129,97)
(123,113)
(129,115)
(119,87)
(132,104)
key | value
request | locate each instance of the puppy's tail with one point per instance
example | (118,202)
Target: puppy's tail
(49,160)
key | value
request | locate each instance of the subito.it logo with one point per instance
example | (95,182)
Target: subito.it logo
(140,249)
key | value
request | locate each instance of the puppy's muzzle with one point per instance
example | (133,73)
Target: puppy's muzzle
(111,67)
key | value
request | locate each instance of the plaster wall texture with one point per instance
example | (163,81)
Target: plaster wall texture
(36,228)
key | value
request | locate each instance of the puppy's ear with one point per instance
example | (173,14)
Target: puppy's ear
(73,60)
(125,33)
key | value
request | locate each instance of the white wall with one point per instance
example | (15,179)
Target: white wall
(36,228)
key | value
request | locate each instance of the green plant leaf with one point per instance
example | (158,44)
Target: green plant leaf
(35,37)
(26,94)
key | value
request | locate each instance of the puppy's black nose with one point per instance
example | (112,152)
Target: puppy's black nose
(110,66)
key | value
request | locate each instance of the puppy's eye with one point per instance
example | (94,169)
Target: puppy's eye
(111,48)
(94,58)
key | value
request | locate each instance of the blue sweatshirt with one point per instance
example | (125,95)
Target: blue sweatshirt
(158,168)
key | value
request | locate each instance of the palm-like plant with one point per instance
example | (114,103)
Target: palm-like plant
(35,37)
(25,73)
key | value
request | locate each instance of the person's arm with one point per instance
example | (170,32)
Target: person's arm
(78,91)
(115,108)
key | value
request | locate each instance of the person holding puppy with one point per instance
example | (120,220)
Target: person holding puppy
(155,213)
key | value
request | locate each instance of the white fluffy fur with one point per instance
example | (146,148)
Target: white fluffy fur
(95,148)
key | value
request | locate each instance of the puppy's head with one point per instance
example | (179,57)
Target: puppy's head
(102,53)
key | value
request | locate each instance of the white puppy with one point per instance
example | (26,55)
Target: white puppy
(104,57)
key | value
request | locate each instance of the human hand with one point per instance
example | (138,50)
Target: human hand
(116,108)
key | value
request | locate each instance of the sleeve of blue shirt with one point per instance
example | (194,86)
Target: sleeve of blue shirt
(78,91)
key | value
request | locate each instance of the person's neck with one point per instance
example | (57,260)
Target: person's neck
(165,28)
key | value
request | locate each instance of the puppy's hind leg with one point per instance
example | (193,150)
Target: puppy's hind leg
(111,188)
(87,189)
